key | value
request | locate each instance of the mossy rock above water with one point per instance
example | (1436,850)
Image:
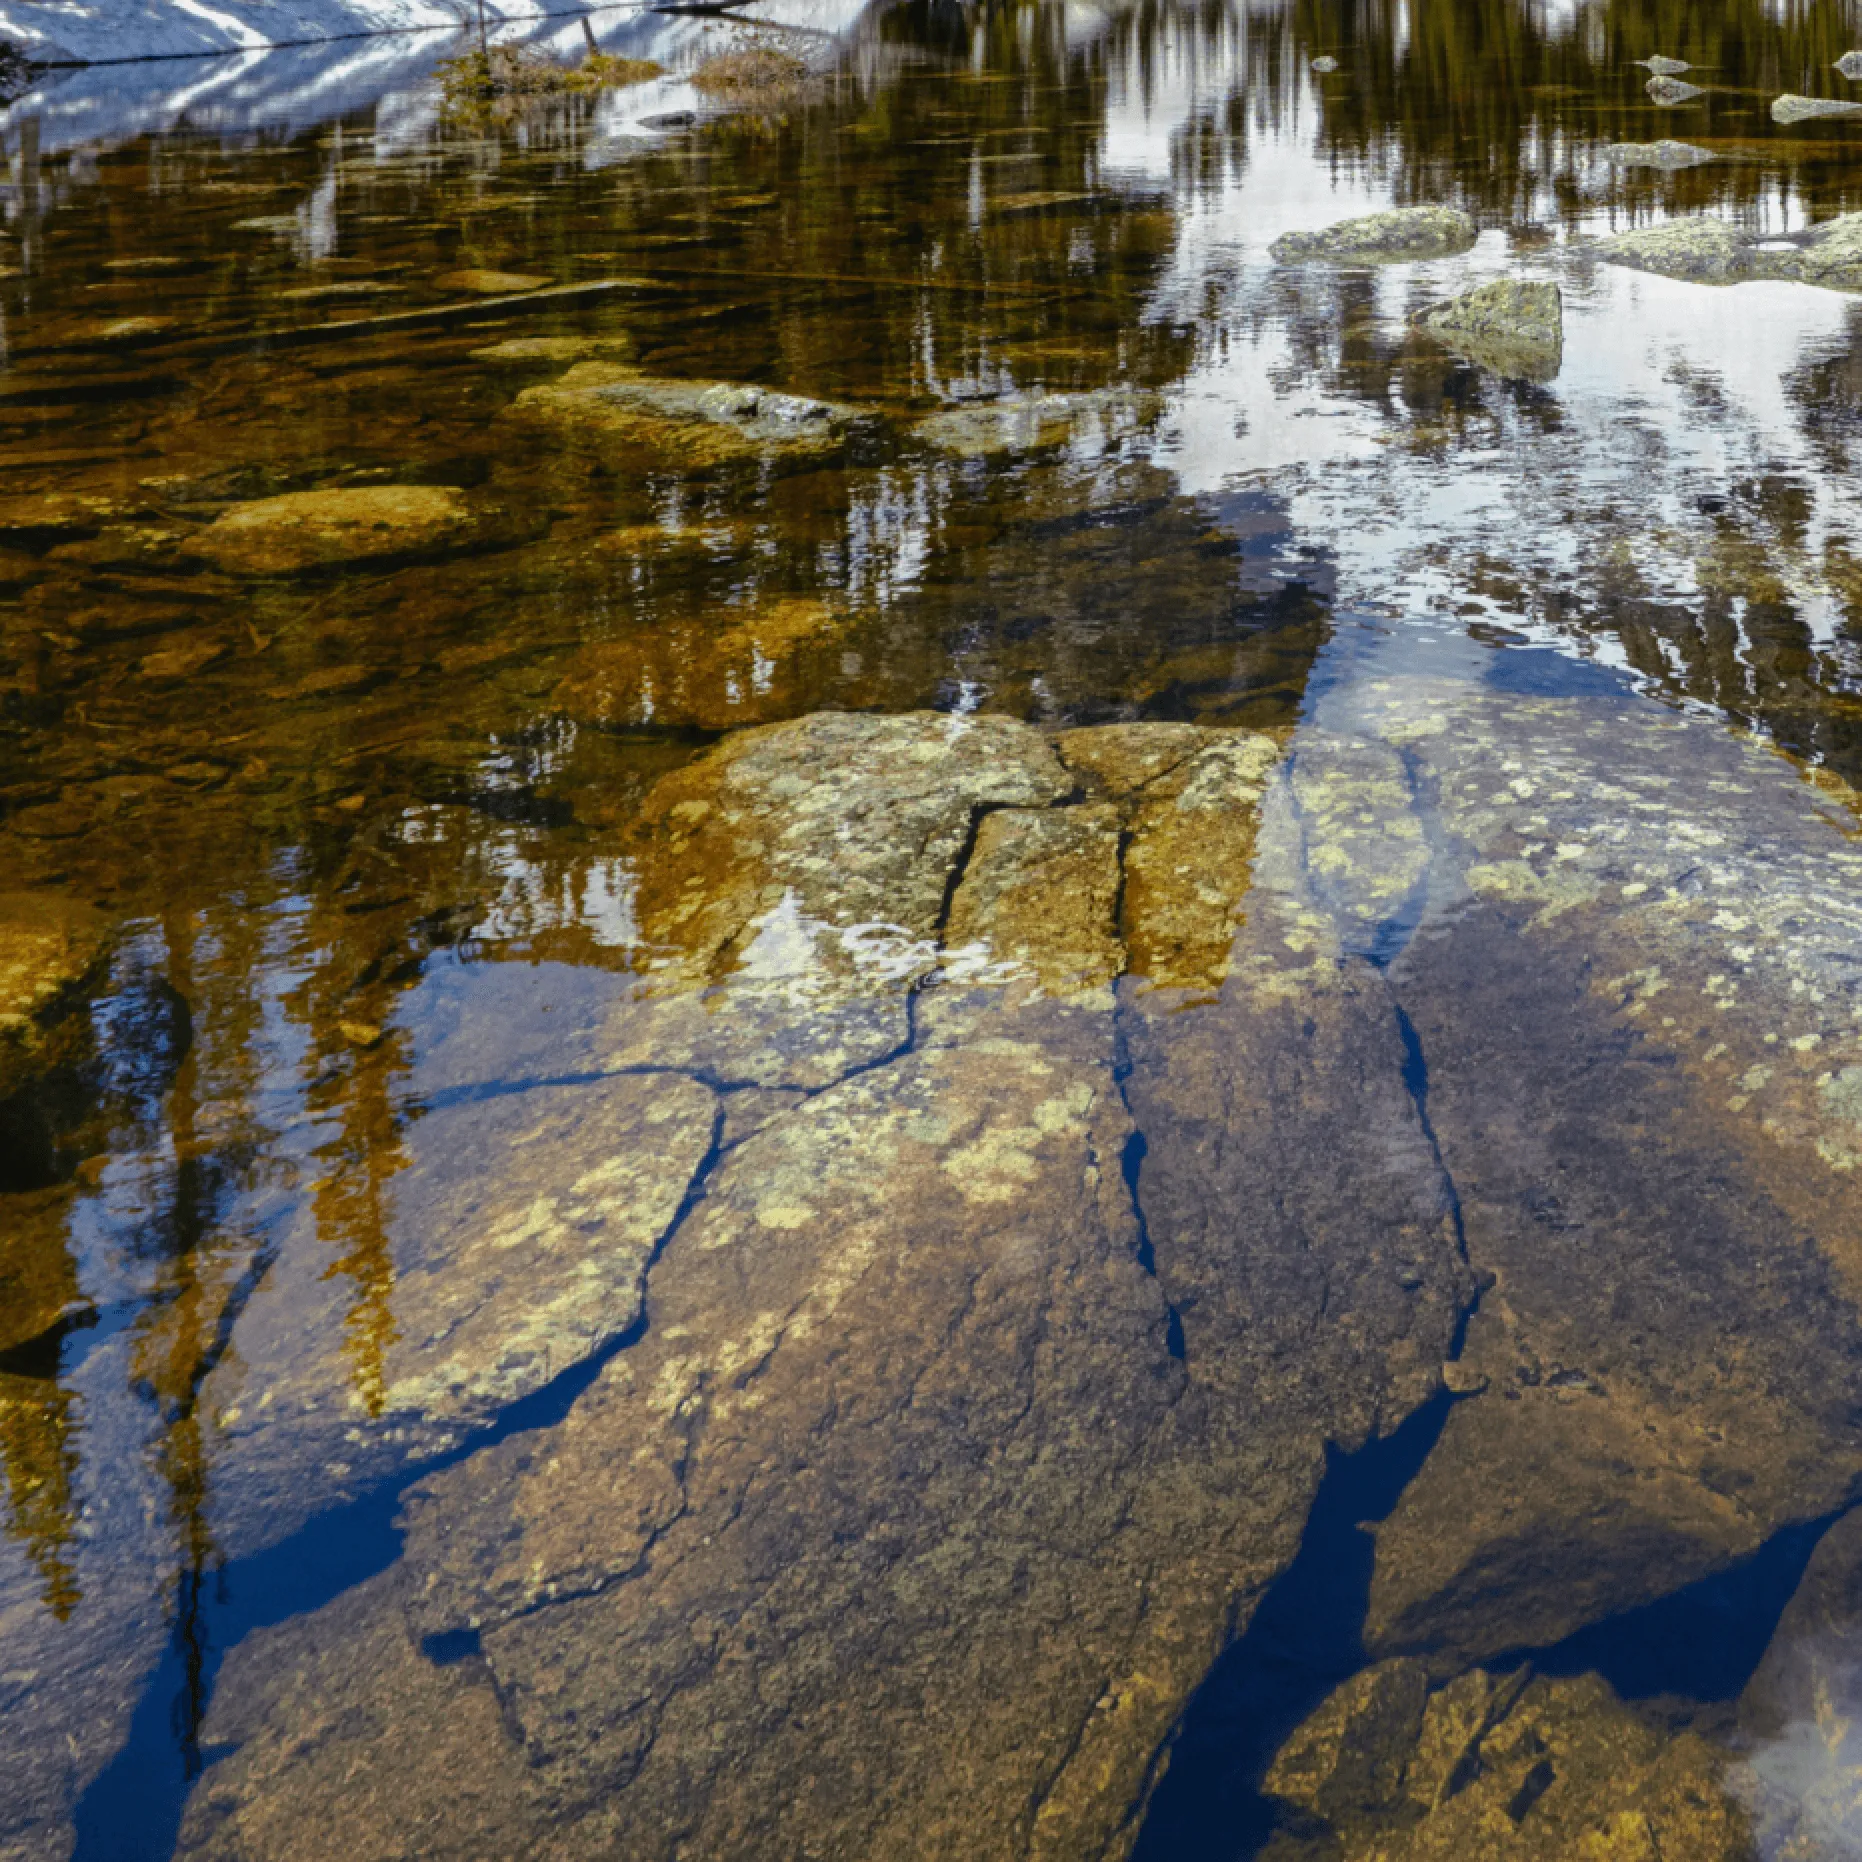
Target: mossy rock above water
(1398,233)
(1703,249)
(1794,109)
(1513,326)
(1037,423)
(1666,153)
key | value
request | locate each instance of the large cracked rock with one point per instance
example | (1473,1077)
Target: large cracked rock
(937,1481)
(943,1468)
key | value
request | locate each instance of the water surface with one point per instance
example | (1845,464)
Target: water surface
(1012,1218)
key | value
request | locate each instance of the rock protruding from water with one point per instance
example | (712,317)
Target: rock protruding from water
(1791,108)
(1667,90)
(695,424)
(311,530)
(1513,326)
(1850,65)
(1704,250)
(1664,154)
(1663,67)
(1701,249)
(1385,1771)
(1325,64)
(1037,423)
(1399,233)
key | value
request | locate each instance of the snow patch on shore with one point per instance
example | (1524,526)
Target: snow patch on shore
(102,31)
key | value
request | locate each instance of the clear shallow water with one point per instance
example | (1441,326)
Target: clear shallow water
(361,863)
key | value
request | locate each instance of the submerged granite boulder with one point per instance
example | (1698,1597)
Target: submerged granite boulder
(695,424)
(1543,1769)
(1513,326)
(1794,109)
(1397,233)
(1635,1017)
(304,531)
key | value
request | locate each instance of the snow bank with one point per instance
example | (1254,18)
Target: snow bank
(275,91)
(98,31)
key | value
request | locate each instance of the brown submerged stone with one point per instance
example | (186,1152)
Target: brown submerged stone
(306,530)
(49,944)
(697,424)
(714,672)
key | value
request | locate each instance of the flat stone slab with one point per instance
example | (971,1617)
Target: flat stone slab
(1392,1771)
(515,1243)
(1399,233)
